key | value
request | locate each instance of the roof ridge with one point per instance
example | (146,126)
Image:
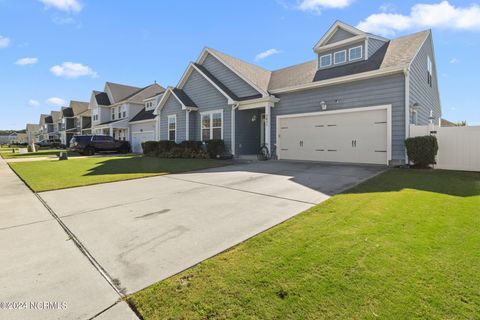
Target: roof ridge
(428,31)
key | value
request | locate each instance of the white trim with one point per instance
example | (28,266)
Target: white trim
(366,49)
(164,99)
(187,124)
(349,78)
(258,103)
(325,55)
(143,121)
(335,58)
(331,31)
(211,112)
(387,107)
(146,131)
(168,126)
(350,53)
(407,108)
(203,56)
(340,43)
(232,119)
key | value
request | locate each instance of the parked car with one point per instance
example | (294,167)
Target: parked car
(90,144)
(50,143)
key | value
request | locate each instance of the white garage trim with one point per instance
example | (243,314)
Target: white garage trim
(387,107)
(145,131)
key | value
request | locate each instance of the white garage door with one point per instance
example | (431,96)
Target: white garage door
(354,136)
(139,137)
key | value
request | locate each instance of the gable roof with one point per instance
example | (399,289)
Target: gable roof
(86,113)
(119,92)
(144,93)
(33,127)
(255,75)
(144,115)
(67,112)
(333,29)
(78,107)
(48,119)
(178,94)
(56,116)
(101,98)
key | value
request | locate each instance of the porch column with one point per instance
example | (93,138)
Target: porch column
(187,133)
(233,129)
(111,131)
(268,126)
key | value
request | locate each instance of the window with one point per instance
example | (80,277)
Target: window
(124,111)
(119,112)
(95,114)
(113,113)
(429,71)
(326,60)
(172,127)
(212,125)
(355,53)
(340,57)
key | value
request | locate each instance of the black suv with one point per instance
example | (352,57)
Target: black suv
(88,145)
(49,143)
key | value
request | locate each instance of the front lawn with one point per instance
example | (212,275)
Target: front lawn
(403,245)
(7,153)
(55,174)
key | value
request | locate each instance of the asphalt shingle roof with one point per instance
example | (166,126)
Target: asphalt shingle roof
(67,112)
(102,98)
(184,97)
(144,115)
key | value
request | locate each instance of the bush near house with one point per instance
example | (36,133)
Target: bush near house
(422,150)
(170,149)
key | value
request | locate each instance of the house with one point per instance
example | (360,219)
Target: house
(82,115)
(55,125)
(43,132)
(13,138)
(75,120)
(116,105)
(143,126)
(352,103)
(32,130)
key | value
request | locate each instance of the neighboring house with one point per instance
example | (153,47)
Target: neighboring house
(75,120)
(50,130)
(66,127)
(56,125)
(143,126)
(83,120)
(43,132)
(13,138)
(353,103)
(113,108)
(33,131)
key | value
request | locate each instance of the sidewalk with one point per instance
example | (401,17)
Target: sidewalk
(43,275)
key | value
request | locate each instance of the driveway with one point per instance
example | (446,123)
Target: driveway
(43,275)
(142,231)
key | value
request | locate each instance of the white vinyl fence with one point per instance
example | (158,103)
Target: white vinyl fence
(458,147)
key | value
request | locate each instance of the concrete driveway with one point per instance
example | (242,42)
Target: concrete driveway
(142,231)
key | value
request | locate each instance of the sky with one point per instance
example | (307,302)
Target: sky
(53,51)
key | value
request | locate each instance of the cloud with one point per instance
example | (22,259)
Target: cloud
(265,54)
(454,60)
(440,15)
(73,70)
(33,103)
(26,61)
(55,101)
(63,5)
(4,42)
(316,6)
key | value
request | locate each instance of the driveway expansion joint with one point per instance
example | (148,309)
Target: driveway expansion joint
(83,249)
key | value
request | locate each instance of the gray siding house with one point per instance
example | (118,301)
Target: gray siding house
(353,102)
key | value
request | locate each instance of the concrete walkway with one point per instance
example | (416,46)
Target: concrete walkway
(42,272)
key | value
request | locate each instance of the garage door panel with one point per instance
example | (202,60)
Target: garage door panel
(352,137)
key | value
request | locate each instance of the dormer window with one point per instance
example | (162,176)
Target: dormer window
(340,57)
(325,60)
(355,53)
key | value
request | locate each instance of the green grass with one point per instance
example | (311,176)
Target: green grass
(7,153)
(55,174)
(403,245)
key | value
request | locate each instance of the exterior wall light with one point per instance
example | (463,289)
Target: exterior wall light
(323,105)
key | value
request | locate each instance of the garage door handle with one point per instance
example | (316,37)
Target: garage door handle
(301,143)
(354,143)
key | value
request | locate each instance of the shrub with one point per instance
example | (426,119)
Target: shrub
(192,145)
(422,150)
(29,149)
(149,147)
(216,148)
(165,146)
